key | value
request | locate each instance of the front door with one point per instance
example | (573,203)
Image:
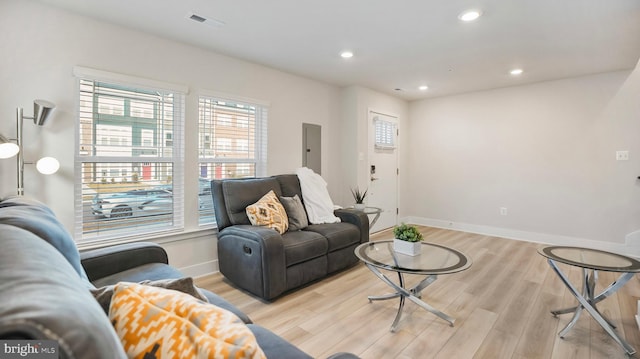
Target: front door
(383,168)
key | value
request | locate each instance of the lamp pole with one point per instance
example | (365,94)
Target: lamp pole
(46,165)
(19,122)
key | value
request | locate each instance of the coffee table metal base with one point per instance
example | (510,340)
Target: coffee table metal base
(588,301)
(412,294)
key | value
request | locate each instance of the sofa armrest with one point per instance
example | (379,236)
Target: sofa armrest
(356,217)
(342,355)
(253,258)
(103,262)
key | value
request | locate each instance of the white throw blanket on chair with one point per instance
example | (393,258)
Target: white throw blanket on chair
(316,198)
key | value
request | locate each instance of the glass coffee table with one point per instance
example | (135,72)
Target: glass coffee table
(433,260)
(591,261)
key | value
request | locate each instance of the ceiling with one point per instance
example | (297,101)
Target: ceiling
(398,45)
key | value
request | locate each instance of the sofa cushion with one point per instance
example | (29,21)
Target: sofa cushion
(301,246)
(338,235)
(43,297)
(38,219)
(295,211)
(223,303)
(268,212)
(240,193)
(185,285)
(150,271)
(156,322)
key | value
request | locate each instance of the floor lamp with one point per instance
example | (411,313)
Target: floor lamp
(46,165)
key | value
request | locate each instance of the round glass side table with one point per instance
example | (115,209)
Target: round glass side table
(591,261)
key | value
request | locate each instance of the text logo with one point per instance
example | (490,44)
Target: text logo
(29,349)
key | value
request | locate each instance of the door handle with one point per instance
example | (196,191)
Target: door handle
(374,179)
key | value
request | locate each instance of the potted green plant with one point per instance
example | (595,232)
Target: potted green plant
(407,239)
(359,197)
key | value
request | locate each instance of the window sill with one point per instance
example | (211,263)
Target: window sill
(159,238)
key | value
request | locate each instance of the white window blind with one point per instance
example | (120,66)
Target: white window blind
(232,144)
(384,134)
(129,160)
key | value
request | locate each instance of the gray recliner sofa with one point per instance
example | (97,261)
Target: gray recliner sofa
(268,264)
(45,286)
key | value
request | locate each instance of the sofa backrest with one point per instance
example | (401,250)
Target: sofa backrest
(43,297)
(290,185)
(37,218)
(232,196)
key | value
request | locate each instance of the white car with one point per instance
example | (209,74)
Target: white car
(134,203)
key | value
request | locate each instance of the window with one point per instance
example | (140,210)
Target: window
(108,105)
(223,145)
(131,159)
(143,109)
(238,132)
(224,119)
(242,123)
(385,132)
(242,145)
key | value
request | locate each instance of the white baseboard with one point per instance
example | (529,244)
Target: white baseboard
(543,238)
(200,269)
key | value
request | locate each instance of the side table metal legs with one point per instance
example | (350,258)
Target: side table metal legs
(412,294)
(588,301)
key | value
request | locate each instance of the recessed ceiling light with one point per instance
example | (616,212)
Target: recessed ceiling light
(423,88)
(346,54)
(516,72)
(469,15)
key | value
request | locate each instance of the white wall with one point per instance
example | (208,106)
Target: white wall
(545,151)
(41,45)
(356,103)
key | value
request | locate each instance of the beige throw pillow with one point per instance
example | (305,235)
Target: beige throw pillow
(268,212)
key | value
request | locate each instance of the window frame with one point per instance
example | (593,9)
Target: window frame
(259,160)
(176,160)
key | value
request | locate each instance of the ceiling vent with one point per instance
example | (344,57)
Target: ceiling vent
(205,20)
(197,18)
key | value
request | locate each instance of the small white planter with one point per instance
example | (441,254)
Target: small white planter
(359,206)
(408,248)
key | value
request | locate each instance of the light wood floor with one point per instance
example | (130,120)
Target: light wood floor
(501,305)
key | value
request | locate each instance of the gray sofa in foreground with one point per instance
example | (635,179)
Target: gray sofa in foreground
(268,264)
(45,286)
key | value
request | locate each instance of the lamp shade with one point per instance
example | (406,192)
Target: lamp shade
(7,149)
(41,111)
(47,165)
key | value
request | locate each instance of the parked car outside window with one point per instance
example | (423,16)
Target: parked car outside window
(145,202)
(134,203)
